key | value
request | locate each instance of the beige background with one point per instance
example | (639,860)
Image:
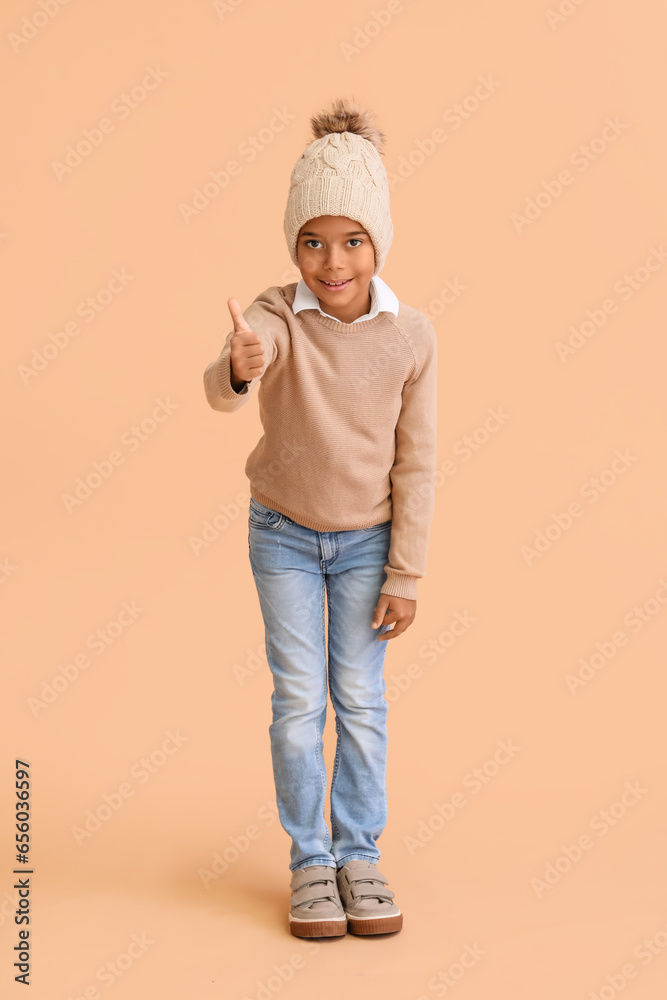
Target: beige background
(191,660)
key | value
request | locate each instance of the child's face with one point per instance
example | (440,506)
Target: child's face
(333,248)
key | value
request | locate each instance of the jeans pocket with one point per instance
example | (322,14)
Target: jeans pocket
(260,516)
(379,527)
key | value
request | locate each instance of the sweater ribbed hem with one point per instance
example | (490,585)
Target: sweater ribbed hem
(309,522)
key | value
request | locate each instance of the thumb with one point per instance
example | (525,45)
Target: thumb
(237,315)
(380,608)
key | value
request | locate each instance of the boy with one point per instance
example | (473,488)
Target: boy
(342,499)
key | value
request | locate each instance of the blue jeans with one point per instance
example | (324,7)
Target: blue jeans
(293,566)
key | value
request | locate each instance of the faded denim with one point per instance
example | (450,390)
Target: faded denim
(294,567)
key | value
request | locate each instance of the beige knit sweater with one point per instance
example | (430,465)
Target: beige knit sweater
(349,418)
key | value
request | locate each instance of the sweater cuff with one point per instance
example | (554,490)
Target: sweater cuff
(225,387)
(400,585)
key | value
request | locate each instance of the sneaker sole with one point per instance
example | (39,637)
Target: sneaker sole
(317,928)
(375,925)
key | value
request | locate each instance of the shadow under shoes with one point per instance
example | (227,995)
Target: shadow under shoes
(367,900)
(315,905)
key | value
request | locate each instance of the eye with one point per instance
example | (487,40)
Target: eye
(354,239)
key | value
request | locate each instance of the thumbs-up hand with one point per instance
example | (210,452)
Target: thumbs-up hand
(246,350)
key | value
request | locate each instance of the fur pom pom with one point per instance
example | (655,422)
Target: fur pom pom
(345,116)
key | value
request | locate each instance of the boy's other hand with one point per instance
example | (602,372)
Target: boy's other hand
(391,609)
(246,350)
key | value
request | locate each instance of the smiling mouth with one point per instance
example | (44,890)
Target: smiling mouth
(335,284)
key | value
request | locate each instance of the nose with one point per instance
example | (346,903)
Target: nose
(334,259)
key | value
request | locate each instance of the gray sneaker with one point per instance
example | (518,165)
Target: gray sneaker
(367,900)
(315,906)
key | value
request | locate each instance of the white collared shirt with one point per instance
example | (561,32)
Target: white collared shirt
(382,300)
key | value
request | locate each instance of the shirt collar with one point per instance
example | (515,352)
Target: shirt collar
(382,299)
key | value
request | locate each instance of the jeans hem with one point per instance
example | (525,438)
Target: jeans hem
(314,861)
(356,857)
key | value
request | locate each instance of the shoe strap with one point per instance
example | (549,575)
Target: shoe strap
(361,891)
(309,893)
(365,883)
(304,876)
(363,874)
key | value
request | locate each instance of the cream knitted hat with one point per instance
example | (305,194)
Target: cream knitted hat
(341,173)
